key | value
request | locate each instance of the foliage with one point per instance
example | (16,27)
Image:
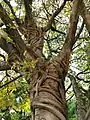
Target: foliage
(72,110)
(14,97)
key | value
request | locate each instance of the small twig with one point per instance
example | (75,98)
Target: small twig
(80,31)
(76,46)
(68,87)
(2,56)
(53,29)
(58,10)
(46,10)
(2,79)
(12,11)
(70,97)
(82,72)
(11,81)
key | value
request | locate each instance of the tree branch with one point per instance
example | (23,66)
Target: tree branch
(17,20)
(14,35)
(70,39)
(28,9)
(10,49)
(85,15)
(68,87)
(2,56)
(12,31)
(80,31)
(48,26)
(12,11)
(11,81)
(48,14)
(6,46)
(54,29)
(70,98)
(80,73)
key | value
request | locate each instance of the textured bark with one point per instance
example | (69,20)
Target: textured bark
(47,89)
(85,15)
(47,80)
(48,92)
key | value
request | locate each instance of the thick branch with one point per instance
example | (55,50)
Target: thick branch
(11,30)
(70,39)
(17,20)
(85,15)
(28,9)
(49,25)
(14,34)
(6,46)
(10,49)
(12,11)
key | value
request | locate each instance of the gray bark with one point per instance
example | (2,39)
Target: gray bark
(48,92)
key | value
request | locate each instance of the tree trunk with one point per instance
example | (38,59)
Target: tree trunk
(47,79)
(48,92)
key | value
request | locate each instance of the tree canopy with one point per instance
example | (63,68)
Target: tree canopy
(60,23)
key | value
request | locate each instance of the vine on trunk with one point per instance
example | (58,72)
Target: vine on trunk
(46,95)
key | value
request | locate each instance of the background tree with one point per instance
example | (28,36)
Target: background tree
(37,41)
